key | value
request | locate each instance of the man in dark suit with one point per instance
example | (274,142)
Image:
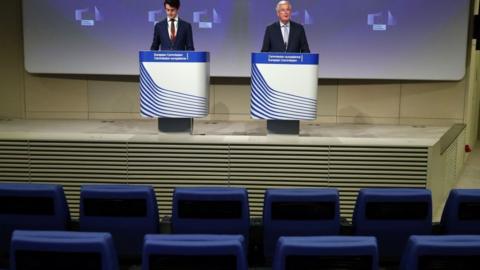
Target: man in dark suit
(172,34)
(285,35)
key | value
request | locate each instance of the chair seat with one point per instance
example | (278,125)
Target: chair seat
(326,252)
(442,251)
(197,251)
(62,250)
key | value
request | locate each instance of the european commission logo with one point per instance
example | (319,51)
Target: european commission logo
(88,16)
(307,18)
(205,19)
(381,21)
(154,16)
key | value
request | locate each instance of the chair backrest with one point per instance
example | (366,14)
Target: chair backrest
(210,211)
(127,212)
(326,252)
(392,216)
(442,252)
(54,250)
(200,252)
(461,214)
(31,207)
(299,212)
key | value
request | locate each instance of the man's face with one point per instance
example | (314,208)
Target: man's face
(171,11)
(284,13)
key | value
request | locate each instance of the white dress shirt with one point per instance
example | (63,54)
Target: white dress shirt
(285,29)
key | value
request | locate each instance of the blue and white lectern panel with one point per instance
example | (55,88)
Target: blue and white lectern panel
(174,84)
(284,86)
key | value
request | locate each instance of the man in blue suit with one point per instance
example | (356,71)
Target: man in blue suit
(285,35)
(173,33)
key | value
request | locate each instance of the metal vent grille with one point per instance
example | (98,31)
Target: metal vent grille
(14,161)
(254,166)
(166,166)
(349,169)
(353,168)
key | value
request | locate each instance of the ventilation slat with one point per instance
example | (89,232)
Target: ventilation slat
(256,167)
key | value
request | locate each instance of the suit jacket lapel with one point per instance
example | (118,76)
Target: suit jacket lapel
(179,30)
(278,32)
(165,31)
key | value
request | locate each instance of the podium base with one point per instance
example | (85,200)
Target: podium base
(174,125)
(288,127)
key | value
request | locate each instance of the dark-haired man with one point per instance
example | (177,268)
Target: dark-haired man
(173,33)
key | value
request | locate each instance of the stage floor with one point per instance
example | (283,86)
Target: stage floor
(225,131)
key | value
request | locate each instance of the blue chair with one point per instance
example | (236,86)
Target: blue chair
(199,252)
(127,212)
(461,214)
(210,211)
(31,207)
(53,250)
(442,252)
(392,216)
(299,212)
(326,252)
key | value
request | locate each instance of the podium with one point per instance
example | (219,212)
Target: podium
(174,87)
(284,90)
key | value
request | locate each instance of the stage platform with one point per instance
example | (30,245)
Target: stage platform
(222,153)
(212,131)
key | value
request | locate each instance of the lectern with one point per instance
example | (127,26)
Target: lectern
(174,87)
(284,90)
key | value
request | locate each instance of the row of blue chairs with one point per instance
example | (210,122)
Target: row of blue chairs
(129,212)
(33,250)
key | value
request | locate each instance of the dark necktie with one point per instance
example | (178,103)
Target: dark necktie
(172,30)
